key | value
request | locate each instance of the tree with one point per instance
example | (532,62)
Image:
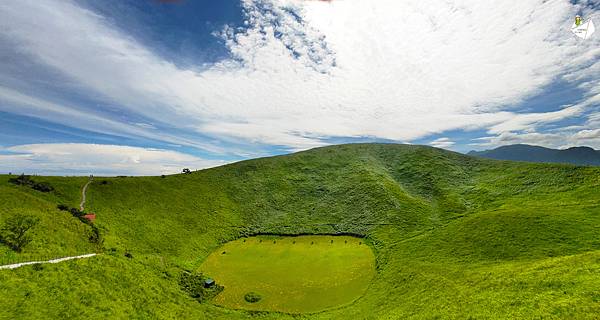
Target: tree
(14,232)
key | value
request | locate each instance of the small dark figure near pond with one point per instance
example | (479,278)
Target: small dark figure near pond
(209,283)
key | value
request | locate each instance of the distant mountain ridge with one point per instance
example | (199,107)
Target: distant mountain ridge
(524,152)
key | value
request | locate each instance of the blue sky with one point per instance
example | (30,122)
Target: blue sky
(149,87)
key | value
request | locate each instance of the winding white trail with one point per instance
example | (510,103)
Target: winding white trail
(81,207)
(82,203)
(18,265)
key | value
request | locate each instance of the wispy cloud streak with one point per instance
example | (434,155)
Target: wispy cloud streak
(303,71)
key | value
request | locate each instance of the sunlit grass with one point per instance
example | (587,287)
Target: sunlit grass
(453,237)
(291,274)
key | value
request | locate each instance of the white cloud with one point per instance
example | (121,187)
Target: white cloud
(398,70)
(525,128)
(529,121)
(39,108)
(103,160)
(588,135)
(443,143)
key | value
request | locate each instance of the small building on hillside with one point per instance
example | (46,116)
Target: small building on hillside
(209,283)
(90,216)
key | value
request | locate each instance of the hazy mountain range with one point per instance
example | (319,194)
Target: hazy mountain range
(524,152)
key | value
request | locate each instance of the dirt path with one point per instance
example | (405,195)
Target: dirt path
(81,207)
(18,265)
(82,204)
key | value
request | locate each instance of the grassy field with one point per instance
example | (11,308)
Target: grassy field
(454,237)
(291,274)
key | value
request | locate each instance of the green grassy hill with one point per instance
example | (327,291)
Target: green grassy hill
(455,237)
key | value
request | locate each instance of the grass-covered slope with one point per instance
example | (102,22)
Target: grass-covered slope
(454,236)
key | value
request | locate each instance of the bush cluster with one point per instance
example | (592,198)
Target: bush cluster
(24,180)
(193,284)
(252,297)
(74,212)
(95,236)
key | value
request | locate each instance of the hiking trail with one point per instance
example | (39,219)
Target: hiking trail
(82,204)
(22,264)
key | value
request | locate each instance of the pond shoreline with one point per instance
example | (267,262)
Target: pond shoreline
(292,235)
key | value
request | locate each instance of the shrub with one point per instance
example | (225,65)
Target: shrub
(95,237)
(76,212)
(252,297)
(42,186)
(15,232)
(21,180)
(193,284)
(24,180)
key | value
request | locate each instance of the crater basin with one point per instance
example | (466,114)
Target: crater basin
(300,274)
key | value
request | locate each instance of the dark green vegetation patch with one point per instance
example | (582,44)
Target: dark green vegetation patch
(24,180)
(197,286)
(252,297)
(454,237)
